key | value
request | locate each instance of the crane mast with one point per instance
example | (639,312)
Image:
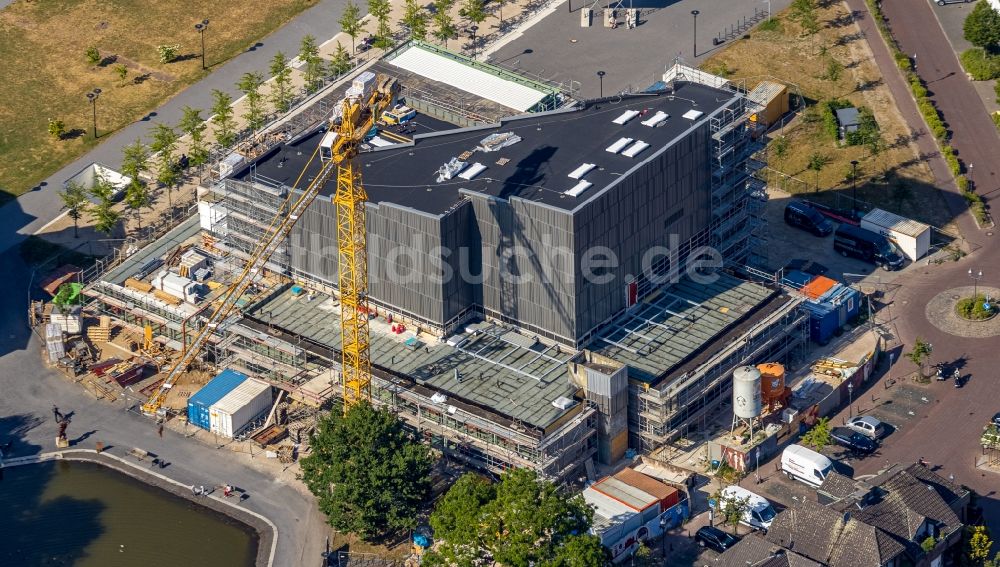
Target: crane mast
(358,118)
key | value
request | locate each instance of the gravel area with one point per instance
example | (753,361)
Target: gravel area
(940,312)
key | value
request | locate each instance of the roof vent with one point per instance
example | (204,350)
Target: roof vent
(635,149)
(656,119)
(472,171)
(450,169)
(494,142)
(626,116)
(693,114)
(579,188)
(617,146)
(439,398)
(563,403)
(582,170)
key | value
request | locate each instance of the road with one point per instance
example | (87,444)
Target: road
(30,390)
(34,209)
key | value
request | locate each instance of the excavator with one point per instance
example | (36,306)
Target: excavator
(358,114)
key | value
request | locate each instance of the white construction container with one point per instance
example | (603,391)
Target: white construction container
(231,415)
(911,237)
(177,286)
(69,321)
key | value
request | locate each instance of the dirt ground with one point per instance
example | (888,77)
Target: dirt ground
(804,62)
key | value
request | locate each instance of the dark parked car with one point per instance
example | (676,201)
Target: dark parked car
(853,440)
(996,420)
(715,539)
(801,215)
(945,2)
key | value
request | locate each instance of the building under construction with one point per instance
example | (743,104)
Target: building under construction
(495,333)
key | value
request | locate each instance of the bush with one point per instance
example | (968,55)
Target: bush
(93,55)
(962,182)
(996,119)
(902,60)
(770,25)
(57,128)
(829,116)
(972,308)
(980,65)
(951,159)
(167,53)
(122,71)
(996,90)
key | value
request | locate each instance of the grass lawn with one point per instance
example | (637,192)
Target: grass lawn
(46,73)
(783,52)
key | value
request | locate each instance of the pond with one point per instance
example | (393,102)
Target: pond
(84,514)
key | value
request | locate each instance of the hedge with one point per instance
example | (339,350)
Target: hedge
(980,65)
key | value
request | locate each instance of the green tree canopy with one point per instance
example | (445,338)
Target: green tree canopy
(444,24)
(165,145)
(340,62)
(75,201)
(281,87)
(103,213)
(369,475)
(522,520)
(193,125)
(473,10)
(819,436)
(313,72)
(982,26)
(222,118)
(415,18)
(253,113)
(350,21)
(380,10)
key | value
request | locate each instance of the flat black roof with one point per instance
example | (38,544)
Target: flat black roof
(537,168)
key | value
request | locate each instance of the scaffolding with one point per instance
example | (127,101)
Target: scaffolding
(668,411)
(250,207)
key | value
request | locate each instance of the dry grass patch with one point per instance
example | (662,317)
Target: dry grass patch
(835,63)
(46,72)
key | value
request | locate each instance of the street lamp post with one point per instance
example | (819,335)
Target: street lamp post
(201,27)
(854,188)
(92,97)
(695,34)
(600,76)
(972,181)
(850,399)
(976,276)
(474,29)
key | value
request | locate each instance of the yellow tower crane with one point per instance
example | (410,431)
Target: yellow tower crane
(357,119)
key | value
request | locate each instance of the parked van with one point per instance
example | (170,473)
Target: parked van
(801,215)
(866,245)
(805,465)
(759,512)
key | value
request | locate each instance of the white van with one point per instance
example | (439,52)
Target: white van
(759,512)
(805,465)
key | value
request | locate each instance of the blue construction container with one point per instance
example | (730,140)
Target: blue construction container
(823,321)
(203,399)
(796,279)
(845,300)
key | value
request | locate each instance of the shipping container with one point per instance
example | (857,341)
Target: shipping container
(911,237)
(231,415)
(200,403)
(823,322)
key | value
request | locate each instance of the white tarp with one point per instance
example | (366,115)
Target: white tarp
(462,76)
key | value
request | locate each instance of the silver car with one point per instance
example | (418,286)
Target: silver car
(868,425)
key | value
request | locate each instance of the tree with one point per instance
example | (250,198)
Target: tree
(444,25)
(75,201)
(982,27)
(104,216)
(920,353)
(520,521)
(351,23)
(165,144)
(473,10)
(281,87)
(780,147)
(805,12)
(819,436)
(193,126)
(368,473)
(817,162)
(643,556)
(93,55)
(977,544)
(341,61)
(313,73)
(222,117)
(415,18)
(380,9)
(253,113)
(834,69)
(122,72)
(135,160)
(57,128)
